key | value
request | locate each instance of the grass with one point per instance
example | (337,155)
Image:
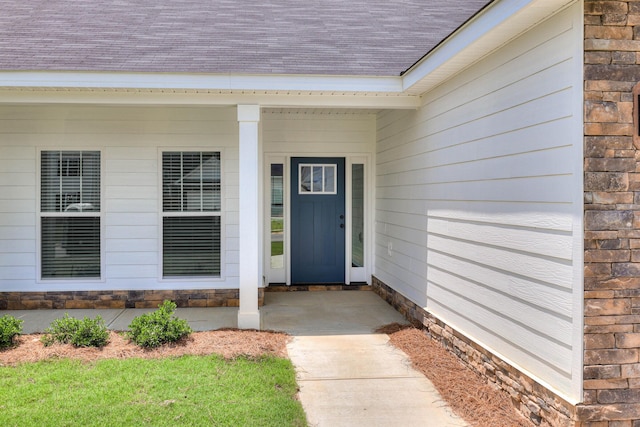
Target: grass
(184,391)
(277,248)
(277,224)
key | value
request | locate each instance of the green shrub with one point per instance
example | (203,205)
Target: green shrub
(81,333)
(158,327)
(10,327)
(91,333)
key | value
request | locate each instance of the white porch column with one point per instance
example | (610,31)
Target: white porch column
(250,276)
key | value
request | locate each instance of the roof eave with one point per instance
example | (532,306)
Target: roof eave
(493,27)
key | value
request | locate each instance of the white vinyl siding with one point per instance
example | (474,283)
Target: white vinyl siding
(130,140)
(320,133)
(478,211)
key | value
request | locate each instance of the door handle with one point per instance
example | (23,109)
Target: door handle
(341,216)
(341,225)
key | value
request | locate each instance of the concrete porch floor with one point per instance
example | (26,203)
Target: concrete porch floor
(348,375)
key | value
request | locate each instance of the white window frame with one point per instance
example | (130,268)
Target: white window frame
(40,214)
(276,275)
(162,214)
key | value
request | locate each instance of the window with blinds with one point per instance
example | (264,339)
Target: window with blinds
(70,214)
(191,205)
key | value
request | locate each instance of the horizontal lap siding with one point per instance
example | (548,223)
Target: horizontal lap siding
(476,202)
(318,133)
(129,139)
(17,217)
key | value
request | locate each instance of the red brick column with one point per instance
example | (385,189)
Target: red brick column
(612,217)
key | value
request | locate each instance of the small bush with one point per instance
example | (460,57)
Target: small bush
(10,327)
(158,327)
(81,333)
(91,333)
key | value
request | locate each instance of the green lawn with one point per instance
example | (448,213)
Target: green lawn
(277,224)
(277,248)
(184,391)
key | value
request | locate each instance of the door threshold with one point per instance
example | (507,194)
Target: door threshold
(281,287)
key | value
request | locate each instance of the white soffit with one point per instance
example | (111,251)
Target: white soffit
(499,23)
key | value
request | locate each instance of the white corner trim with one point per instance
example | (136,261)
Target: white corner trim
(496,25)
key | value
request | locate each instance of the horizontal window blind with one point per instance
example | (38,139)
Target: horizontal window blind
(191,246)
(70,247)
(191,204)
(70,214)
(70,181)
(191,182)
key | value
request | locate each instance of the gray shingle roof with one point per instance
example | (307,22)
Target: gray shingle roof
(336,37)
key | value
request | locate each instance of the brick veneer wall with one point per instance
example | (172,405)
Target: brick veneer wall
(612,216)
(122,299)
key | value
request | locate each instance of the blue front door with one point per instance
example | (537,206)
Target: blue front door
(317,220)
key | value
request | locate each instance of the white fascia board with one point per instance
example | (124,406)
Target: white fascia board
(200,89)
(493,27)
(178,81)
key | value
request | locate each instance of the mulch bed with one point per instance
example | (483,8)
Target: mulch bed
(470,397)
(227,343)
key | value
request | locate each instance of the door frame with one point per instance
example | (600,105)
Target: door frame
(352,274)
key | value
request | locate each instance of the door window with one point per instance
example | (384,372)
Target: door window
(317,179)
(277,216)
(357,215)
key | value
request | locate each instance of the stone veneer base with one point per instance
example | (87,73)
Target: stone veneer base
(122,299)
(318,287)
(534,401)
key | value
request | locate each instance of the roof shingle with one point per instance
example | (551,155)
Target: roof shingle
(332,37)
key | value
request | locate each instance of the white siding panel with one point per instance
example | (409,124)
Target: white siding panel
(123,271)
(17,259)
(491,165)
(543,269)
(525,346)
(125,245)
(17,275)
(316,133)
(17,245)
(131,219)
(547,297)
(543,324)
(543,216)
(19,166)
(536,242)
(11,206)
(18,233)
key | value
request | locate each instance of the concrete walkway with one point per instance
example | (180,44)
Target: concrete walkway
(348,375)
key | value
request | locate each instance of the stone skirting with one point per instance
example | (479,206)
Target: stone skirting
(313,288)
(122,299)
(534,401)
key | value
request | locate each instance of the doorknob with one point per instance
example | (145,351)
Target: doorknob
(341,216)
(341,225)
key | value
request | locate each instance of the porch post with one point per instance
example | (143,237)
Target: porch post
(248,314)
